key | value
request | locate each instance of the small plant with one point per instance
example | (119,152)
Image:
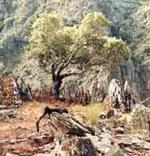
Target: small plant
(93,111)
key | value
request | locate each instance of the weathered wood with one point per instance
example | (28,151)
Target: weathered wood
(65,124)
(49,111)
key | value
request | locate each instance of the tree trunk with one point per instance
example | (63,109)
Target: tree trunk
(57,78)
(56,84)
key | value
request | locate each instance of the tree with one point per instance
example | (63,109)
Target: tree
(94,23)
(58,47)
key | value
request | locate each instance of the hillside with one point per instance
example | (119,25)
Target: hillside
(74,77)
(126,16)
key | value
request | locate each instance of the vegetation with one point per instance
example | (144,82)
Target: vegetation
(128,21)
(58,48)
(1,24)
(93,111)
(72,12)
(77,47)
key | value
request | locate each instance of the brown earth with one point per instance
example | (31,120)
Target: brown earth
(18,134)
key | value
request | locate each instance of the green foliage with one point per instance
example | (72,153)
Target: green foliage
(59,46)
(94,23)
(43,29)
(93,111)
(97,50)
(86,45)
(1,24)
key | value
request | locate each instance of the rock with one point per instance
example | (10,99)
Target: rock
(102,127)
(65,124)
(106,135)
(103,143)
(5,113)
(129,141)
(120,97)
(9,90)
(111,113)
(140,119)
(48,147)
(141,143)
(115,93)
(125,142)
(74,146)
(85,147)
(115,151)
(119,130)
(134,146)
(12,141)
(6,107)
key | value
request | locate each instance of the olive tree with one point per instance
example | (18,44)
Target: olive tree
(57,48)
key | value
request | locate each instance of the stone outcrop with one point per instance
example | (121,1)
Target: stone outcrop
(140,119)
(13,90)
(75,147)
(9,90)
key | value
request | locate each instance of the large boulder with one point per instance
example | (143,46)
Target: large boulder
(9,91)
(140,119)
(120,97)
(75,147)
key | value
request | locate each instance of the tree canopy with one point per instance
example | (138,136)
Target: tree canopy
(87,44)
(58,47)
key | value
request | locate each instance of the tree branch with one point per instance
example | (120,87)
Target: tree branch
(69,74)
(64,65)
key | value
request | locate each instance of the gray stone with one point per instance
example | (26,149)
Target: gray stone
(141,143)
(119,130)
(74,147)
(106,135)
(115,151)
(126,141)
(7,113)
(140,118)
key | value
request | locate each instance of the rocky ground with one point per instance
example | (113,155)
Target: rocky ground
(18,136)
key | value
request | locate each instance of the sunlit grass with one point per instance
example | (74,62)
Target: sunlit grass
(93,111)
(31,111)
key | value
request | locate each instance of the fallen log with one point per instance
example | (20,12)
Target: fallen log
(63,122)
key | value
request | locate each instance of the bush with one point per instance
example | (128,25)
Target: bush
(93,111)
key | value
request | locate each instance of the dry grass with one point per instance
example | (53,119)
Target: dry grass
(28,114)
(90,112)
(93,111)
(32,111)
